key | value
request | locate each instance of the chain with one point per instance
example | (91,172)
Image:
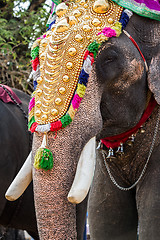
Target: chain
(24,113)
(145,166)
(14,100)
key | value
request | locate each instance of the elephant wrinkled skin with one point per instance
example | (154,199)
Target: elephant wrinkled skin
(57,217)
(114,214)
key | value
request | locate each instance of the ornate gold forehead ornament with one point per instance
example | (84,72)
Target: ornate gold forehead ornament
(64,57)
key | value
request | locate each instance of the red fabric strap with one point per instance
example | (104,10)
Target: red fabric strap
(4,96)
(114,141)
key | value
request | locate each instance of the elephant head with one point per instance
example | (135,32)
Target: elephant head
(127,88)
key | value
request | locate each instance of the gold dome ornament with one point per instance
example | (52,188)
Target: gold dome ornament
(72,20)
(54,112)
(38,113)
(66,78)
(38,104)
(62,90)
(61,9)
(69,65)
(39,80)
(58,101)
(78,38)
(96,22)
(39,92)
(101,6)
(72,51)
(61,53)
(44,117)
(77,13)
(62,26)
(86,28)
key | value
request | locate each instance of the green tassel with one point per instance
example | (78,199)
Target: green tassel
(46,161)
(44,157)
(37,158)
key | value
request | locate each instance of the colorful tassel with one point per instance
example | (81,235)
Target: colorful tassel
(46,162)
(44,157)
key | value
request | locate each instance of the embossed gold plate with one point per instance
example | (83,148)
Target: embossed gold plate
(62,51)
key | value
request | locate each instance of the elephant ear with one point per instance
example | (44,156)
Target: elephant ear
(154,77)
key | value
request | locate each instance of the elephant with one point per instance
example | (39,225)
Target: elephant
(64,120)
(124,195)
(15,144)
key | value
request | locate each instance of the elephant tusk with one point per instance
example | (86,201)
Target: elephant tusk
(84,173)
(21,181)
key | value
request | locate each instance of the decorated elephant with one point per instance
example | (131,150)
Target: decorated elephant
(76,100)
(15,144)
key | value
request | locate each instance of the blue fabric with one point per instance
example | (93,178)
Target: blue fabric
(83,77)
(124,19)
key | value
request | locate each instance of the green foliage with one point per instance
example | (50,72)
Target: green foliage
(19,28)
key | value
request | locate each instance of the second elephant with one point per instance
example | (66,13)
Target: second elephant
(114,209)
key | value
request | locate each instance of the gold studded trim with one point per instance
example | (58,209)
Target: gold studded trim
(61,56)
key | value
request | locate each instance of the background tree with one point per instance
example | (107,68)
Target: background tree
(21,22)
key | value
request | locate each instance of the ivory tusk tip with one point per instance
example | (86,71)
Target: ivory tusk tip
(10,198)
(73,200)
(77,197)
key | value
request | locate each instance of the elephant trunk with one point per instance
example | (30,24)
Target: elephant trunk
(56,216)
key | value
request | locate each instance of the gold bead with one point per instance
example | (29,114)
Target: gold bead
(86,17)
(66,78)
(72,51)
(48,33)
(44,117)
(77,1)
(39,80)
(77,13)
(39,92)
(101,6)
(110,20)
(61,9)
(62,26)
(86,28)
(88,37)
(55,47)
(58,101)
(62,90)
(38,103)
(78,38)
(75,6)
(69,65)
(99,28)
(38,113)
(85,5)
(72,20)
(82,2)
(96,22)
(54,112)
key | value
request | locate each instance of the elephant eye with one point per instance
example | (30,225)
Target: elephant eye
(110,56)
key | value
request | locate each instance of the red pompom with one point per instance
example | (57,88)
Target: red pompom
(56,126)
(35,63)
(33,127)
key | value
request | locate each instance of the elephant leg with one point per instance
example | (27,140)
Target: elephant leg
(148,200)
(112,212)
